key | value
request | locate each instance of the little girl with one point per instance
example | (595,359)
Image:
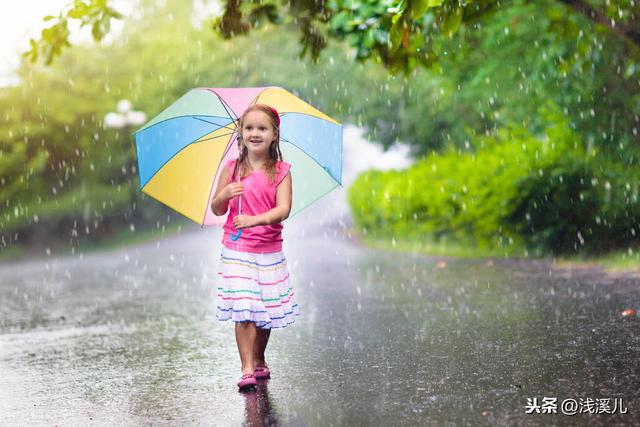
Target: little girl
(254,289)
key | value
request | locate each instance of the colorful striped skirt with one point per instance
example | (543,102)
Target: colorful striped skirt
(255,288)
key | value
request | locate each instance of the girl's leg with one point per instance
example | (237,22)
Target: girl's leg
(262,338)
(245,338)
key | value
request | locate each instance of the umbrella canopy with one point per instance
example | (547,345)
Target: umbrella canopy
(182,151)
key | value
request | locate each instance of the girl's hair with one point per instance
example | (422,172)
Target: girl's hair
(242,164)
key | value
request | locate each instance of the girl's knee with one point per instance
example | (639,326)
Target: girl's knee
(246,325)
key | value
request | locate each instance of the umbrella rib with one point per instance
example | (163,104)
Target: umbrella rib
(255,98)
(316,199)
(198,140)
(332,121)
(339,181)
(226,150)
(212,123)
(230,112)
(210,139)
(175,117)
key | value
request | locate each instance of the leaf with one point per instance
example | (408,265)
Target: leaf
(353,39)
(396,17)
(339,21)
(419,7)
(96,30)
(32,54)
(48,18)
(79,10)
(369,39)
(395,35)
(105,26)
(114,13)
(47,33)
(452,21)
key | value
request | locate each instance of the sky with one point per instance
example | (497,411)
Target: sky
(23,20)
(19,22)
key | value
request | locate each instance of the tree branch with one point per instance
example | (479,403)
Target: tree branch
(630,33)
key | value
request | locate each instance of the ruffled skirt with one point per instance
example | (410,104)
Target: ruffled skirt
(255,287)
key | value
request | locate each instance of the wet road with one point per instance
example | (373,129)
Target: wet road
(383,339)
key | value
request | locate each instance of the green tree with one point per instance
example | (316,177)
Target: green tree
(488,62)
(397,33)
(504,72)
(62,174)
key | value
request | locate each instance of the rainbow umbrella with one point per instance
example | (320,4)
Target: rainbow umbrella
(182,151)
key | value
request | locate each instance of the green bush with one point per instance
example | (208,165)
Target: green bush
(545,193)
(579,206)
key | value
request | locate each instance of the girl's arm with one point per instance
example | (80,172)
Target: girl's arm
(275,215)
(224,192)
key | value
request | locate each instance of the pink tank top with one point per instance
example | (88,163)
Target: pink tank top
(259,196)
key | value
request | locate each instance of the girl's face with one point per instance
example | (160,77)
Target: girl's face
(257,132)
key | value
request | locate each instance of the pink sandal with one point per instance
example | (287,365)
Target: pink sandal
(262,371)
(246,381)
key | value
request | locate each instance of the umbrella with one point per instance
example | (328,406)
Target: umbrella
(182,151)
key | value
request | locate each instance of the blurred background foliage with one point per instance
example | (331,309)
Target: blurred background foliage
(515,191)
(523,121)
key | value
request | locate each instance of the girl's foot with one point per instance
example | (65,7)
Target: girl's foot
(262,371)
(246,381)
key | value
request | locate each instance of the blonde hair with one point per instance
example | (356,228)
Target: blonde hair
(242,163)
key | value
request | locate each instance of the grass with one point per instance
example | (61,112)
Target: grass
(118,240)
(424,246)
(125,238)
(620,261)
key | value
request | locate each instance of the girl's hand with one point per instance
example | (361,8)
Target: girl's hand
(243,221)
(232,190)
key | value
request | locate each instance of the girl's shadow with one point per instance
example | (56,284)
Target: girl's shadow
(258,411)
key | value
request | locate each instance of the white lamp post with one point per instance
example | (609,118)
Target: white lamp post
(124,117)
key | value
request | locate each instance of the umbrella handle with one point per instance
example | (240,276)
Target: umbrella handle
(236,236)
